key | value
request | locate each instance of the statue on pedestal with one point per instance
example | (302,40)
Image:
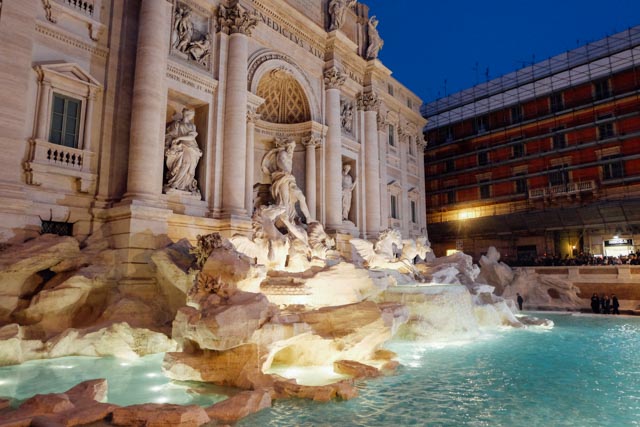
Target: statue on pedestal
(375,41)
(182,154)
(347,189)
(337,9)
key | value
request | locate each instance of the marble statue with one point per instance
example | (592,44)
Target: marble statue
(277,164)
(375,41)
(183,29)
(381,254)
(182,154)
(337,10)
(347,189)
(346,114)
(200,50)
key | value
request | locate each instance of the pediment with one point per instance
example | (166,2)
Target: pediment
(68,70)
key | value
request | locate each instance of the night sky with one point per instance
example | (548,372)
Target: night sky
(427,42)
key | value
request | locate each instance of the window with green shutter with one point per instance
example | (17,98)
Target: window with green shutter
(65,121)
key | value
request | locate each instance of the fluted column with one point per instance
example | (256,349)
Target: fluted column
(252,118)
(88,122)
(236,22)
(421,145)
(44,104)
(382,149)
(148,107)
(310,178)
(333,80)
(369,102)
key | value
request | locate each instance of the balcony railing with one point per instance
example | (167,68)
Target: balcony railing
(569,189)
(82,6)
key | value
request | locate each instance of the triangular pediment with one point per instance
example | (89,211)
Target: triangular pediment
(70,71)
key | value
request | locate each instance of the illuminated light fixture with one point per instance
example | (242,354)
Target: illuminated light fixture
(465,215)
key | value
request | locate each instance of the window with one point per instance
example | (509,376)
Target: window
(412,150)
(450,165)
(559,175)
(485,191)
(605,131)
(559,138)
(613,168)
(394,207)
(518,150)
(65,121)
(390,89)
(481,124)
(392,138)
(601,89)
(410,103)
(556,103)
(483,158)
(445,134)
(414,216)
(521,184)
(516,114)
(451,197)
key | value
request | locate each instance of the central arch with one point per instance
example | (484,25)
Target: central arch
(284,99)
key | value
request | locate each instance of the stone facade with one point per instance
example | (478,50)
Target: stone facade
(93,89)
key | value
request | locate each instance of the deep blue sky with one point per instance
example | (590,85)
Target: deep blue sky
(427,42)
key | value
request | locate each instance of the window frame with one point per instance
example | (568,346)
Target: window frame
(67,100)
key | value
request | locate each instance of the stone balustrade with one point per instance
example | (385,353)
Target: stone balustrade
(83,6)
(46,153)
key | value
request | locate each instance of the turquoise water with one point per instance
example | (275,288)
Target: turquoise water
(584,372)
(130,381)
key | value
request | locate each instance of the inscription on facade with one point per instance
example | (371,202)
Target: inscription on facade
(276,26)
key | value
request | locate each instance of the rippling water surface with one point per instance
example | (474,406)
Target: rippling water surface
(584,372)
(130,381)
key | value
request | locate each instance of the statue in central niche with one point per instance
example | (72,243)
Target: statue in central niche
(182,154)
(277,164)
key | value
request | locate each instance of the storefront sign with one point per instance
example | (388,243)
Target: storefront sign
(618,242)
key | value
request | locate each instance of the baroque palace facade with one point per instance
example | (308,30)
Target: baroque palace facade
(544,160)
(144,121)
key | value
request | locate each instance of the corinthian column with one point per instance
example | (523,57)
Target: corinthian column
(310,178)
(383,127)
(333,79)
(236,22)
(369,102)
(252,118)
(148,108)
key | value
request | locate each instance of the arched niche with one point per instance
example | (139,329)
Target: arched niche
(264,63)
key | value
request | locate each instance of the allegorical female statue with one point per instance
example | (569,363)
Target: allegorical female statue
(347,189)
(375,41)
(182,154)
(337,9)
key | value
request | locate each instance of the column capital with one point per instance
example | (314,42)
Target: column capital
(368,101)
(334,78)
(312,141)
(252,115)
(234,19)
(421,142)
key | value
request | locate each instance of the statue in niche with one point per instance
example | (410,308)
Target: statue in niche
(182,154)
(183,29)
(346,114)
(277,164)
(337,10)
(200,50)
(347,189)
(375,41)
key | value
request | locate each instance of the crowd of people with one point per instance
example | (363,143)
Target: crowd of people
(604,305)
(581,259)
